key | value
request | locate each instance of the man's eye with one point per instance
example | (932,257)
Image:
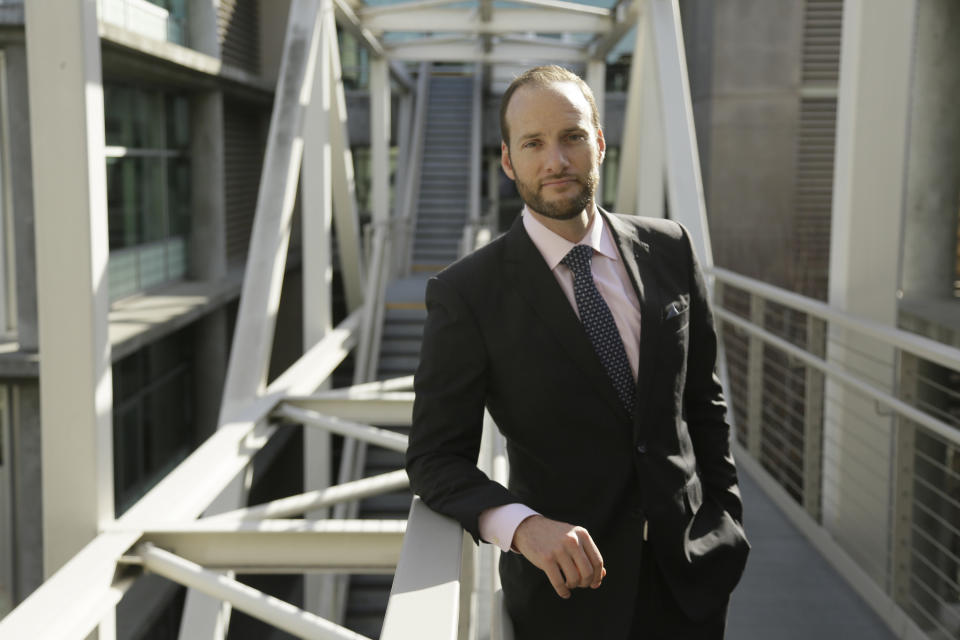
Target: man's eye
(530,144)
(577,137)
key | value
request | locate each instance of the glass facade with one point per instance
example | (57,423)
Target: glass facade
(157,19)
(153,415)
(148,187)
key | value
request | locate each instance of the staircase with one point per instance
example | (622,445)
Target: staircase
(445,178)
(442,214)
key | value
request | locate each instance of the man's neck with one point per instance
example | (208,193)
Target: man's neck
(573,229)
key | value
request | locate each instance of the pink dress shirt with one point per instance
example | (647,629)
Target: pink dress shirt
(498,525)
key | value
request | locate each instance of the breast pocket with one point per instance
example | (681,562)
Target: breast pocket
(676,314)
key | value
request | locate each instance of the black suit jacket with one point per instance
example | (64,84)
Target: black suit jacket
(501,333)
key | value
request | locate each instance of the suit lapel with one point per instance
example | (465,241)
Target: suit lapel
(538,286)
(636,255)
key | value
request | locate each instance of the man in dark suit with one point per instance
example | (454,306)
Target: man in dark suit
(589,338)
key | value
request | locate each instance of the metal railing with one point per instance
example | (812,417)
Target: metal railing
(854,427)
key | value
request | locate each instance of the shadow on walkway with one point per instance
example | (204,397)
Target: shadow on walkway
(789,591)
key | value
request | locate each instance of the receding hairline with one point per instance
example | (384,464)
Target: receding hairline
(543,77)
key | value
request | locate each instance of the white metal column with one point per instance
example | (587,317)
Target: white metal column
(380,139)
(316,198)
(684,184)
(596,79)
(70,209)
(70,213)
(869,183)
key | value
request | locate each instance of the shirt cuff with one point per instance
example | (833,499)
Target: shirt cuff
(497,525)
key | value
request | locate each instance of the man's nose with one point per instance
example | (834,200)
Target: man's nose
(556,159)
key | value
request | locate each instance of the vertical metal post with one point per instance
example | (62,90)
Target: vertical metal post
(596,79)
(903,465)
(755,380)
(629,150)
(684,184)
(813,420)
(873,107)
(72,251)
(380,139)
(346,217)
(70,208)
(316,200)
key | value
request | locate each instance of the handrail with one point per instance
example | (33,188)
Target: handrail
(440,572)
(920,346)
(945,431)
(851,427)
(427,592)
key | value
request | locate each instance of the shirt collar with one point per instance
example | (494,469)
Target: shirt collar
(553,247)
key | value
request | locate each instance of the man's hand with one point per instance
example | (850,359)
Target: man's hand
(566,553)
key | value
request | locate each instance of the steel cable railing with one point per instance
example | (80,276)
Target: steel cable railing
(859,425)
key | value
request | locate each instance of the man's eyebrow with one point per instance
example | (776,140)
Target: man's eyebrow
(527,136)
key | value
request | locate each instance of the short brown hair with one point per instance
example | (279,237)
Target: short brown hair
(542,76)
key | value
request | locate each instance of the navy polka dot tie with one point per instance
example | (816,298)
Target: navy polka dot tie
(599,324)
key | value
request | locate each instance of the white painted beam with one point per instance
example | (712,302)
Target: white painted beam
(402,383)
(596,79)
(470,51)
(81,593)
(380,140)
(651,171)
(627,180)
(346,216)
(266,260)
(362,432)
(684,183)
(70,213)
(285,546)
(387,409)
(502,21)
(321,498)
(276,612)
(626,14)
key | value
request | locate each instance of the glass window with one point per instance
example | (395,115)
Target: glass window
(153,415)
(148,187)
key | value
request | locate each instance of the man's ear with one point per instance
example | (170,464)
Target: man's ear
(601,146)
(505,161)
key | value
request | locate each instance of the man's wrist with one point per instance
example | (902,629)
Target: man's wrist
(498,525)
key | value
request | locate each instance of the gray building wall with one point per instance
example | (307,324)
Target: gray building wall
(744,59)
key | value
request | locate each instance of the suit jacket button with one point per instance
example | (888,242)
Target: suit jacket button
(642,447)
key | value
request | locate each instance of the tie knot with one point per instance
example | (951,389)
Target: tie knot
(578,259)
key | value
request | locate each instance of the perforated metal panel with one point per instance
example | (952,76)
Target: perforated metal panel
(816,133)
(243,160)
(238,33)
(822,23)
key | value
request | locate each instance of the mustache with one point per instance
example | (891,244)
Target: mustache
(562,176)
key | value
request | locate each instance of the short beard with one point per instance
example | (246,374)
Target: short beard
(566,209)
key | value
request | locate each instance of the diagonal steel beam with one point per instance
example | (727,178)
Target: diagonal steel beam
(320,498)
(272,610)
(285,546)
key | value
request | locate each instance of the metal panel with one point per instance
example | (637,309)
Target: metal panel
(243,145)
(239,33)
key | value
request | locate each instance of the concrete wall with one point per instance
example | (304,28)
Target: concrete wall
(933,161)
(21,194)
(27,485)
(745,75)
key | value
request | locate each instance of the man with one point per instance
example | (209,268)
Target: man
(588,337)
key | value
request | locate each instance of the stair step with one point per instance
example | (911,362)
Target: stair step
(399,347)
(397,317)
(403,331)
(399,363)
